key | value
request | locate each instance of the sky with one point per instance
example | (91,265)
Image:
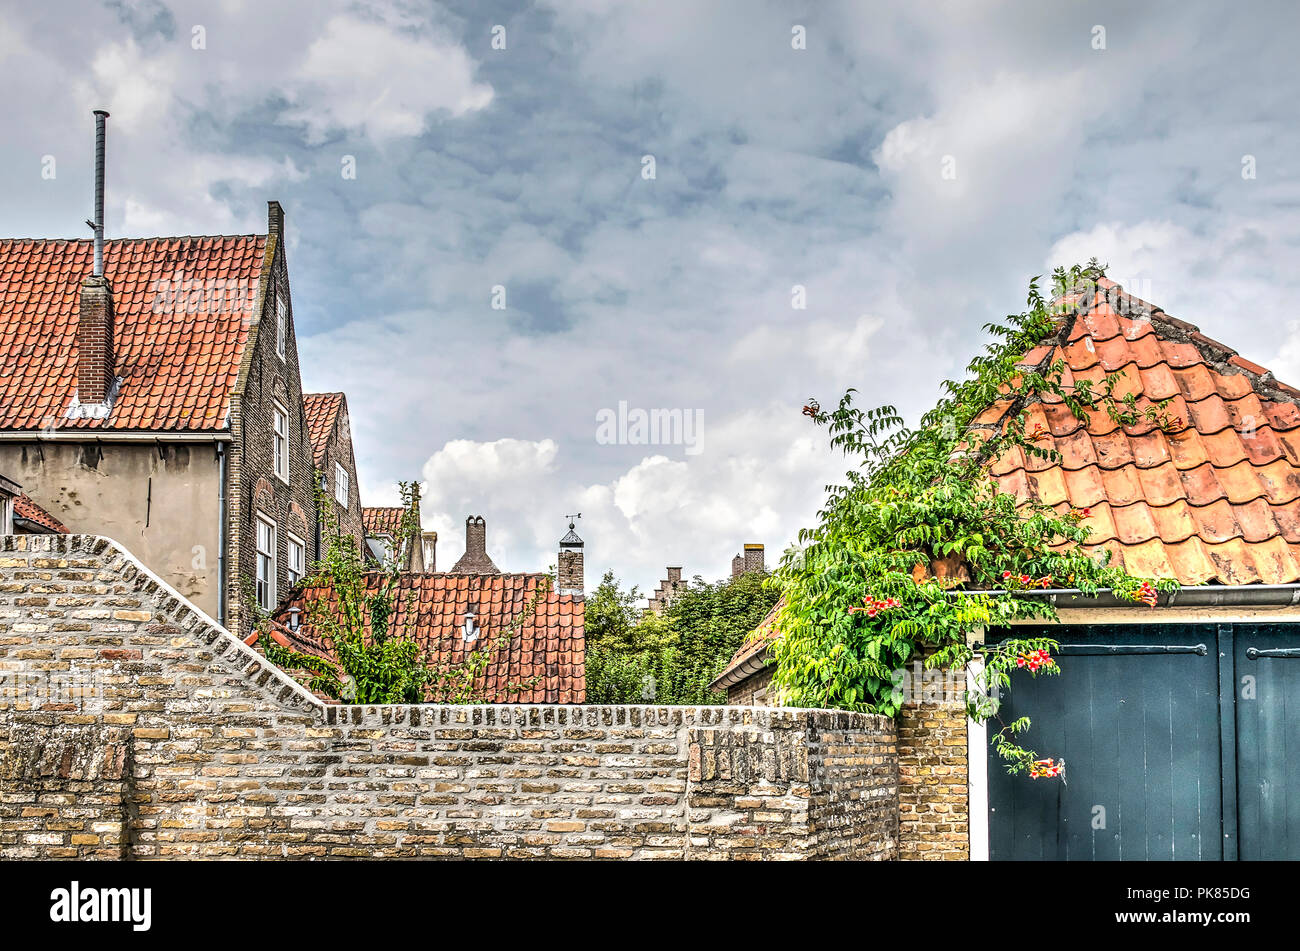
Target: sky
(511,226)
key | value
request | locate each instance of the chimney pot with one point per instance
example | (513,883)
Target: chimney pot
(429,552)
(475,560)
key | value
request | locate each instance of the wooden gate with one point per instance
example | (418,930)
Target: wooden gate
(1181,741)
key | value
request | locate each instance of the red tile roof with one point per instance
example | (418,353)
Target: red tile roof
(1213,495)
(547,653)
(182,310)
(322,412)
(24,507)
(382,520)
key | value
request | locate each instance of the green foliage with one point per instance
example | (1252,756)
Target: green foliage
(921,496)
(377,664)
(641,657)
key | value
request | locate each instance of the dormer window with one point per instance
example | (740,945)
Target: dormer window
(281,324)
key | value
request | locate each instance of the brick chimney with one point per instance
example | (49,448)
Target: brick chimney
(275,219)
(475,561)
(569,567)
(753,557)
(737,566)
(95,374)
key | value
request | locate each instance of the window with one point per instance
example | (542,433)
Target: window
(281,324)
(265,563)
(6,515)
(297,560)
(341,485)
(281,442)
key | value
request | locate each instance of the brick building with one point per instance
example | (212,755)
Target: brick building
(330,431)
(160,402)
(673,585)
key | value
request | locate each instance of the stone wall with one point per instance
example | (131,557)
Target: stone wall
(132,725)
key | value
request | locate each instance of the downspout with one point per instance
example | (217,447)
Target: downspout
(221,534)
(320,481)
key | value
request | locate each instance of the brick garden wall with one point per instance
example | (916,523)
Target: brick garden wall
(181,741)
(933,793)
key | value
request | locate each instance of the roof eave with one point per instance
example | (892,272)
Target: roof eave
(1185,596)
(743,670)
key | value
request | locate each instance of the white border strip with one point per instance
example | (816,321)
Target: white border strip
(977,777)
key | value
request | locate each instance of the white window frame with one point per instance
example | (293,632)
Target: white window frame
(280,442)
(281,324)
(6,515)
(342,485)
(266,581)
(294,573)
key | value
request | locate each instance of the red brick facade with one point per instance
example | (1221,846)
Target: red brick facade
(268,381)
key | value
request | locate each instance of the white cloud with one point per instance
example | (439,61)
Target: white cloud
(761,473)
(384,81)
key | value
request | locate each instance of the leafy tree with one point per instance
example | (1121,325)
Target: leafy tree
(876,582)
(635,656)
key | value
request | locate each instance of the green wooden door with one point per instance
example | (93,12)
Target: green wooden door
(1135,715)
(1267,682)
(1181,741)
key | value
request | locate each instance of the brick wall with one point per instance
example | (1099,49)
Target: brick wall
(933,795)
(265,379)
(754,689)
(184,742)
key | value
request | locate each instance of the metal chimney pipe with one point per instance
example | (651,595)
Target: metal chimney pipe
(98,224)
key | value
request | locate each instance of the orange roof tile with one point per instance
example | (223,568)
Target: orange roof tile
(182,312)
(24,507)
(321,411)
(382,520)
(1213,496)
(547,654)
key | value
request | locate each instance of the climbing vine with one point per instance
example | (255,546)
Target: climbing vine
(920,546)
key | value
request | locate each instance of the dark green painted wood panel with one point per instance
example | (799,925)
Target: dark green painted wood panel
(1138,726)
(1268,740)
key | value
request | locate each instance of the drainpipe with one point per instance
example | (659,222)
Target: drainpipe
(221,534)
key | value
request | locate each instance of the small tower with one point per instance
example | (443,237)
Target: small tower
(569,567)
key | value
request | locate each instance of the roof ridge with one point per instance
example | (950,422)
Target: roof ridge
(158,237)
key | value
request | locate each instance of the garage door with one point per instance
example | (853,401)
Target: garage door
(1180,742)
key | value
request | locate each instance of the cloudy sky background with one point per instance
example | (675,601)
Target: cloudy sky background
(775,167)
